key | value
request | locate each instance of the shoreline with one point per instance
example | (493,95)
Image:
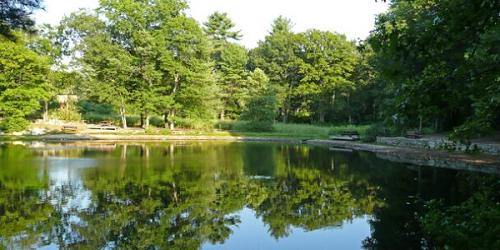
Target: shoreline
(414,156)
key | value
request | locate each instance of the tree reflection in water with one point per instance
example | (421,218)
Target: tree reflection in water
(185,195)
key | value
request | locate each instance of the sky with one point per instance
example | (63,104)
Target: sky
(354,18)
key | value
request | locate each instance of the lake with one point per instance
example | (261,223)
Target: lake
(217,195)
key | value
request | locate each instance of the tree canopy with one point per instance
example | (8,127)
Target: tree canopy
(426,65)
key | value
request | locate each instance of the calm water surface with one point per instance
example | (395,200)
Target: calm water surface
(206,195)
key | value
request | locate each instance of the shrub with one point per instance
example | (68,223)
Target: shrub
(260,113)
(67,114)
(157,122)
(96,112)
(133,121)
(193,123)
(14,124)
(373,131)
(96,117)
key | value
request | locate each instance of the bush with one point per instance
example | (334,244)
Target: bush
(157,122)
(14,124)
(373,131)
(230,125)
(96,117)
(96,112)
(67,114)
(133,121)
(260,113)
(258,126)
(193,123)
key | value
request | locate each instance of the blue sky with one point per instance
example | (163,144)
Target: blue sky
(355,18)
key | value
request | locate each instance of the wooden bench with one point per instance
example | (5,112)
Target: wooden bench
(349,133)
(346,136)
(413,134)
(104,125)
(69,128)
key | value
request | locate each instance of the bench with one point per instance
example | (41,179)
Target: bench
(104,125)
(413,134)
(346,136)
(349,133)
(69,128)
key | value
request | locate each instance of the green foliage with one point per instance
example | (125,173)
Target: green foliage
(70,113)
(219,28)
(14,124)
(439,60)
(375,130)
(15,14)
(194,123)
(311,71)
(261,112)
(23,83)
(97,112)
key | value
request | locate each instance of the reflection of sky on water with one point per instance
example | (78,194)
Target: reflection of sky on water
(67,191)
(251,234)
(66,183)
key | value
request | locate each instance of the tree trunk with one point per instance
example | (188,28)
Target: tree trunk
(322,115)
(123,117)
(171,116)
(285,113)
(349,109)
(222,114)
(146,121)
(45,111)
(165,120)
(420,124)
(142,120)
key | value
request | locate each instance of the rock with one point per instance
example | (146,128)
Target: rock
(38,131)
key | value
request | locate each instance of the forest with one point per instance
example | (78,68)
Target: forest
(430,65)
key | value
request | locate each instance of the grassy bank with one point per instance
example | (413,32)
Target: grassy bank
(290,130)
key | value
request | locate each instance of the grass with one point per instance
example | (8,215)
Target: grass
(293,130)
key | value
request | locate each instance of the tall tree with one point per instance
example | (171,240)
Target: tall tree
(231,77)
(439,61)
(23,83)
(328,61)
(107,67)
(15,14)
(220,28)
(146,55)
(277,57)
(229,61)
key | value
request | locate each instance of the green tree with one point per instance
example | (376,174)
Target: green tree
(231,78)
(260,112)
(23,83)
(146,56)
(328,62)
(439,61)
(230,62)
(277,57)
(15,14)
(220,29)
(107,67)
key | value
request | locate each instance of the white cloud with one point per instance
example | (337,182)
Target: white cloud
(355,18)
